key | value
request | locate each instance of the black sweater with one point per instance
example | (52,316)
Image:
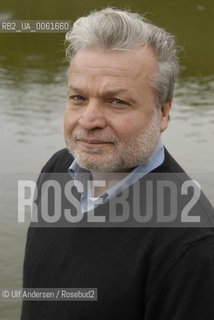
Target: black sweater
(140,273)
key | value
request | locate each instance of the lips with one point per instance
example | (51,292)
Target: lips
(94,141)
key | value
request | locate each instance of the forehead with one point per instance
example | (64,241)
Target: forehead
(127,64)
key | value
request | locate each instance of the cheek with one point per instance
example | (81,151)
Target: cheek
(126,127)
(132,128)
(70,121)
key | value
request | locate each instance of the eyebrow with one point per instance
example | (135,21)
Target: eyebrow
(70,87)
(105,93)
(130,97)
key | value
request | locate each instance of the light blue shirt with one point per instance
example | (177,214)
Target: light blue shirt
(88,202)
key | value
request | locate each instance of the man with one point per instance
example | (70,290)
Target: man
(120,87)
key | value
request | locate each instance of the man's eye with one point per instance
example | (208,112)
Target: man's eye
(117,101)
(77,98)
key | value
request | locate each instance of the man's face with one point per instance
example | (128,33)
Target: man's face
(111,122)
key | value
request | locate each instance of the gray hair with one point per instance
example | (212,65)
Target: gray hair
(116,29)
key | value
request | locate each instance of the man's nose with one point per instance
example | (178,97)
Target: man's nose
(93,117)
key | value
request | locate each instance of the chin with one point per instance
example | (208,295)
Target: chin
(96,163)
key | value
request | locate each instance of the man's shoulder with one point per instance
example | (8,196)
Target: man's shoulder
(59,162)
(169,164)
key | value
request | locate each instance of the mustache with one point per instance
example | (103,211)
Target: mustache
(96,134)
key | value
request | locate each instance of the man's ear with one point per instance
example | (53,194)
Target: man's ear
(165,109)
